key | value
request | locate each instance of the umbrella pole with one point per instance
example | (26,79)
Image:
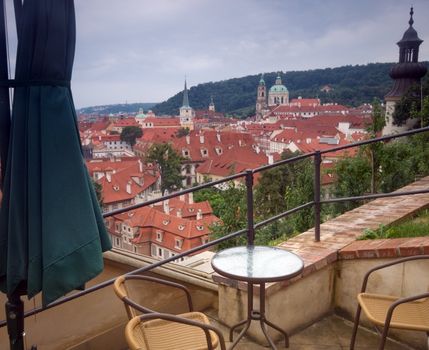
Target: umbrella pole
(15,320)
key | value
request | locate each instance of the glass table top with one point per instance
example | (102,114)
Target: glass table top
(253,263)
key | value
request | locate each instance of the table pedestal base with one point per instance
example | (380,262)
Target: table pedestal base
(256,315)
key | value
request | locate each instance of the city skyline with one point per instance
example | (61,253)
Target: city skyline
(140,51)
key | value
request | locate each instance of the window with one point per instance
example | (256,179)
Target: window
(159,236)
(135,249)
(160,252)
(181,227)
(117,242)
(115,206)
(200,227)
(178,243)
(117,227)
(153,250)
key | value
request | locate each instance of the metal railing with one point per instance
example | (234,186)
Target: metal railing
(248,175)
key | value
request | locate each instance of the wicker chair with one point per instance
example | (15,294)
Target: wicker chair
(153,330)
(387,311)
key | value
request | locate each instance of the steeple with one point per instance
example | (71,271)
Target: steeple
(185,96)
(278,79)
(406,73)
(408,70)
(262,81)
(211,105)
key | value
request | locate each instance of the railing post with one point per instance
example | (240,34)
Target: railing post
(317,162)
(250,226)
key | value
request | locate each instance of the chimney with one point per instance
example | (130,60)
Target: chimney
(218,137)
(308,140)
(239,142)
(202,138)
(179,213)
(199,214)
(109,176)
(129,187)
(257,149)
(270,158)
(191,198)
(182,197)
(188,139)
(166,206)
(140,165)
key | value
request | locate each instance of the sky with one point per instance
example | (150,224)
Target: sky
(141,50)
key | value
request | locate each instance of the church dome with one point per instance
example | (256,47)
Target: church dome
(278,88)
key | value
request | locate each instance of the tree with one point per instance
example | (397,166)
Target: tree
(169,163)
(373,150)
(98,192)
(129,134)
(182,132)
(411,103)
(230,206)
(353,179)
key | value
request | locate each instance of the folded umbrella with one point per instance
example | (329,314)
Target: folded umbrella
(52,233)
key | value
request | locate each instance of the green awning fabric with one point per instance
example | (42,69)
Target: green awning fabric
(52,233)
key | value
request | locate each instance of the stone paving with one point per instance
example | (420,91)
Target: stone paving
(331,333)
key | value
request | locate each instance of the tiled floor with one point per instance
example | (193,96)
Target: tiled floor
(331,333)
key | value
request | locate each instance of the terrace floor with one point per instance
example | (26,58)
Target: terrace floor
(331,333)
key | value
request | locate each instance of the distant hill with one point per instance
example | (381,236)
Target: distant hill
(125,108)
(351,85)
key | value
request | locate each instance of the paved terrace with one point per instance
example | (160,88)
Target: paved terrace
(338,235)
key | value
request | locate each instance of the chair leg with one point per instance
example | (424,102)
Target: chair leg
(383,337)
(355,328)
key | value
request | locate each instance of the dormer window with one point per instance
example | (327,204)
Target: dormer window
(200,227)
(185,153)
(159,236)
(181,227)
(165,222)
(219,150)
(178,243)
(204,152)
(116,188)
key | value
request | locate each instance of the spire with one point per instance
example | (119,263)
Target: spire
(262,81)
(411,21)
(278,79)
(185,96)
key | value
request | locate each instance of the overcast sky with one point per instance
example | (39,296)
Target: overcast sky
(141,50)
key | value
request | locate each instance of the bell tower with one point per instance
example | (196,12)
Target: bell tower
(261,99)
(407,72)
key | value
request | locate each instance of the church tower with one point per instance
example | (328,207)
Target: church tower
(278,94)
(407,72)
(187,113)
(261,99)
(212,105)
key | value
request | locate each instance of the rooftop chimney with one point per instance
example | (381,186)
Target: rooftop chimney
(199,214)
(179,213)
(188,139)
(140,165)
(218,137)
(109,176)
(129,187)
(202,138)
(191,198)
(270,158)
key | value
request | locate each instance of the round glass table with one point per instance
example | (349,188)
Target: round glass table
(257,265)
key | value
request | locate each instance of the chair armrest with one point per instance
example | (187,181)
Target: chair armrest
(205,327)
(379,267)
(400,301)
(159,281)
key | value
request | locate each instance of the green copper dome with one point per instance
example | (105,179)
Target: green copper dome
(278,88)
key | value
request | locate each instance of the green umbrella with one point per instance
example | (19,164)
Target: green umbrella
(52,233)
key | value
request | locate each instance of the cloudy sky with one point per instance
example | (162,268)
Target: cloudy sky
(141,50)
